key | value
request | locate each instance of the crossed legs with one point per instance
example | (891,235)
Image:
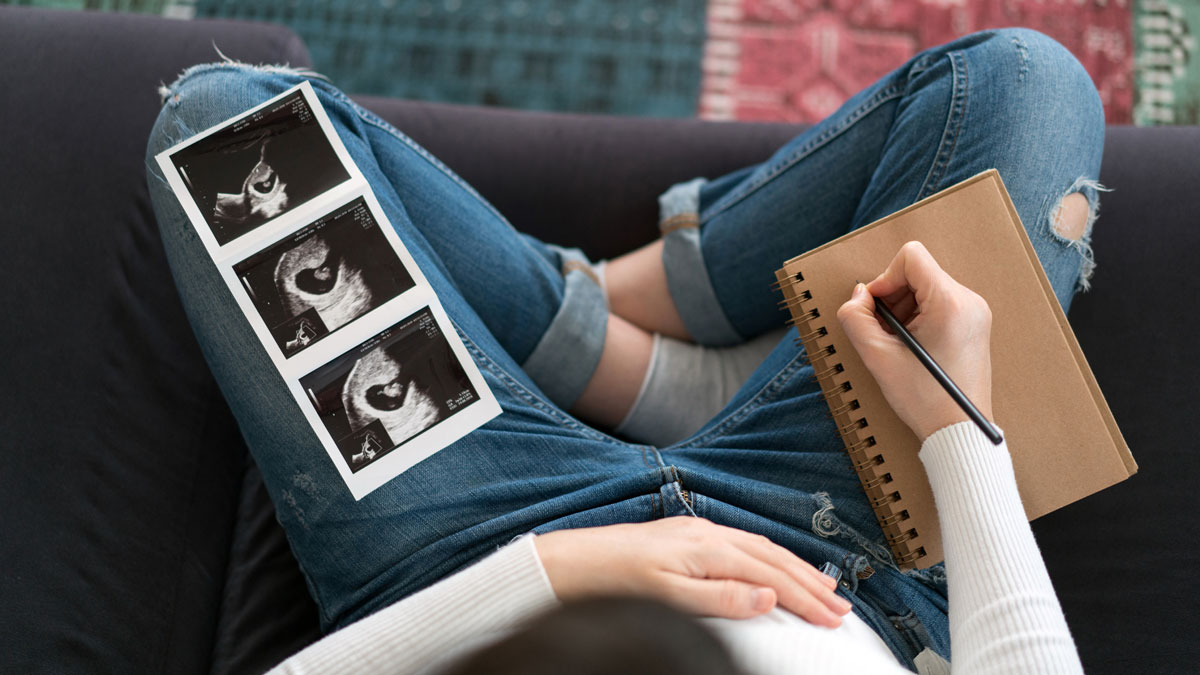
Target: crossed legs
(641,305)
(540,329)
(906,137)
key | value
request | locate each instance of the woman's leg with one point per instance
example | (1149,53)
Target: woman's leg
(772,461)
(708,278)
(532,467)
(544,304)
(1012,99)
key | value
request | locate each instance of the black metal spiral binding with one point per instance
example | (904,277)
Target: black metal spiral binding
(868,465)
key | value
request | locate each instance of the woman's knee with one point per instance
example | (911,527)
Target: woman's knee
(1039,78)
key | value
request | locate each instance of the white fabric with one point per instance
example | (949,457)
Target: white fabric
(686,385)
(781,642)
(497,593)
(1004,615)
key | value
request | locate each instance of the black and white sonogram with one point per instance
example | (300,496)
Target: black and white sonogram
(259,167)
(323,277)
(389,389)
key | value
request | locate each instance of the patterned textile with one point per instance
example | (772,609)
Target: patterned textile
(629,57)
(797,60)
(792,60)
(1167,67)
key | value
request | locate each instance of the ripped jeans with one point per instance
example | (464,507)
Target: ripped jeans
(771,462)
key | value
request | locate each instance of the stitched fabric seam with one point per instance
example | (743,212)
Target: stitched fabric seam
(954,118)
(884,95)
(374,120)
(523,392)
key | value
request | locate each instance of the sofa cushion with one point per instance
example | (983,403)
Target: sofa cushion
(121,467)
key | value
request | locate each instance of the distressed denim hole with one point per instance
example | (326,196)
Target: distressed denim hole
(1062,221)
(1070,219)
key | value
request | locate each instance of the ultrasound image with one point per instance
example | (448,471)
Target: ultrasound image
(323,277)
(389,389)
(259,167)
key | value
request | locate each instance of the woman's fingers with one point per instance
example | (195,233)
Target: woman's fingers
(804,596)
(691,562)
(767,550)
(904,308)
(771,553)
(774,554)
(728,598)
(718,552)
(857,316)
(809,578)
(913,267)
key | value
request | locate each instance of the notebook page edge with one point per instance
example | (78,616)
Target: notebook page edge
(1117,438)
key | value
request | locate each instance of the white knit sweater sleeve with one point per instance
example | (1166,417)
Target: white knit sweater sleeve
(494,594)
(1004,615)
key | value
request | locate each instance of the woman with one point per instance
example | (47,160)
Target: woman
(748,446)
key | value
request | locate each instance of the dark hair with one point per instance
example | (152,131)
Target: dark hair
(601,635)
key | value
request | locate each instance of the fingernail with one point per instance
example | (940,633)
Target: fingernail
(842,605)
(860,288)
(760,600)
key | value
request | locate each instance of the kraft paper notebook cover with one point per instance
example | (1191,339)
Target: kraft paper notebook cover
(1064,442)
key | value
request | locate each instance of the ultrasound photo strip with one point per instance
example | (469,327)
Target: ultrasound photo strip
(246,173)
(337,301)
(395,399)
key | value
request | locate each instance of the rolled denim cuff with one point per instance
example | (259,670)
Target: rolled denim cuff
(687,276)
(565,358)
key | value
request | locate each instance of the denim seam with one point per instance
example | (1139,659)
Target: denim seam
(882,96)
(376,121)
(658,462)
(524,393)
(763,395)
(955,115)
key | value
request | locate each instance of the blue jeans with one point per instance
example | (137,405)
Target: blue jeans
(771,462)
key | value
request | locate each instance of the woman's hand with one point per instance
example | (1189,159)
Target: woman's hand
(950,321)
(691,563)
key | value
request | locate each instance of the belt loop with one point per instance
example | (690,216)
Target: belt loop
(831,570)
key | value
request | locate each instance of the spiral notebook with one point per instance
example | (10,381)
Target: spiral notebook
(1064,442)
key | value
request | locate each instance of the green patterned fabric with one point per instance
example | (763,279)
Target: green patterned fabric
(144,6)
(609,56)
(1166,65)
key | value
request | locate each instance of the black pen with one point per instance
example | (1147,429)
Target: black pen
(940,375)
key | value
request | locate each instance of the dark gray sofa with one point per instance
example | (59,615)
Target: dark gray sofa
(135,534)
